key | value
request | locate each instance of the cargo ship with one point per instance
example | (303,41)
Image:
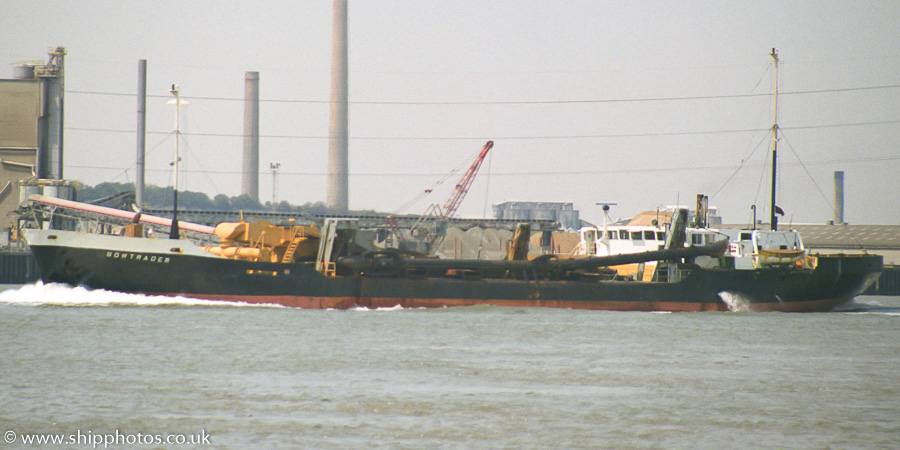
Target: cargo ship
(319,266)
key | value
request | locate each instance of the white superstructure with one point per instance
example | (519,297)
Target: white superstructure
(749,249)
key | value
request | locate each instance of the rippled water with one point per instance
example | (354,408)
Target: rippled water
(256,376)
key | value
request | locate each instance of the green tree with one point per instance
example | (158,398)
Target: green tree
(156,197)
(222,203)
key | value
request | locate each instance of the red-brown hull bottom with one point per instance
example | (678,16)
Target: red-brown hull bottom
(630,305)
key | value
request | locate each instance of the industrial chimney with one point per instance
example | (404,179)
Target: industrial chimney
(141,133)
(250,170)
(337,196)
(839,198)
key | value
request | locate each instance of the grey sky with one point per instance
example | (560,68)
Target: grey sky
(639,103)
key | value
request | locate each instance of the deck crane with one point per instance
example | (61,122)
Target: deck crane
(462,188)
(437,216)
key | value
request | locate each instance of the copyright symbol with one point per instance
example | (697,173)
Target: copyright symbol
(10,436)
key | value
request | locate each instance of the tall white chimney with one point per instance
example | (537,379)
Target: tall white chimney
(250,169)
(337,196)
(839,198)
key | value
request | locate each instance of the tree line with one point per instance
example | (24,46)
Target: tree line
(156,197)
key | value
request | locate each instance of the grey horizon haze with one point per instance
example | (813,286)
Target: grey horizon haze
(643,104)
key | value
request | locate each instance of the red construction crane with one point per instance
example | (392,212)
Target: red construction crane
(459,193)
(462,188)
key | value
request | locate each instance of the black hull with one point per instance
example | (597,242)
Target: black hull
(836,280)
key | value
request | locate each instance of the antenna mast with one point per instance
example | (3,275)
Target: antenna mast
(274,167)
(774,219)
(173,230)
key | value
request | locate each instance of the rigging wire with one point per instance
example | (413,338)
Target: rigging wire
(821,192)
(741,165)
(487,185)
(200,163)
(509,102)
(475,138)
(768,66)
(133,165)
(438,183)
(617,171)
(761,183)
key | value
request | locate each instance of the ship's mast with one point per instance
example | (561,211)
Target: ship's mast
(606,220)
(173,232)
(774,220)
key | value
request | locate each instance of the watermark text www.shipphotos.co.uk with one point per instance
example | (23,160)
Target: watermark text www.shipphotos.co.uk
(104,440)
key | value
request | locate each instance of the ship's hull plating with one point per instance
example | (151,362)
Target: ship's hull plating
(166,270)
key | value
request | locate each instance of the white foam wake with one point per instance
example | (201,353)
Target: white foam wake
(52,294)
(735,302)
(384,309)
(875,313)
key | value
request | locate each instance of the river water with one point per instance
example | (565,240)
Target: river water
(93,364)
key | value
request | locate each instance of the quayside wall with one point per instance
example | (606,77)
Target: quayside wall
(17,268)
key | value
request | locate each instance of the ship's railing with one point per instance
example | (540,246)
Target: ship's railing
(37,214)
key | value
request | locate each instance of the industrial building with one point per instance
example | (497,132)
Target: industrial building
(31,133)
(563,213)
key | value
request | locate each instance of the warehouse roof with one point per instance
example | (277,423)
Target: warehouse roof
(870,237)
